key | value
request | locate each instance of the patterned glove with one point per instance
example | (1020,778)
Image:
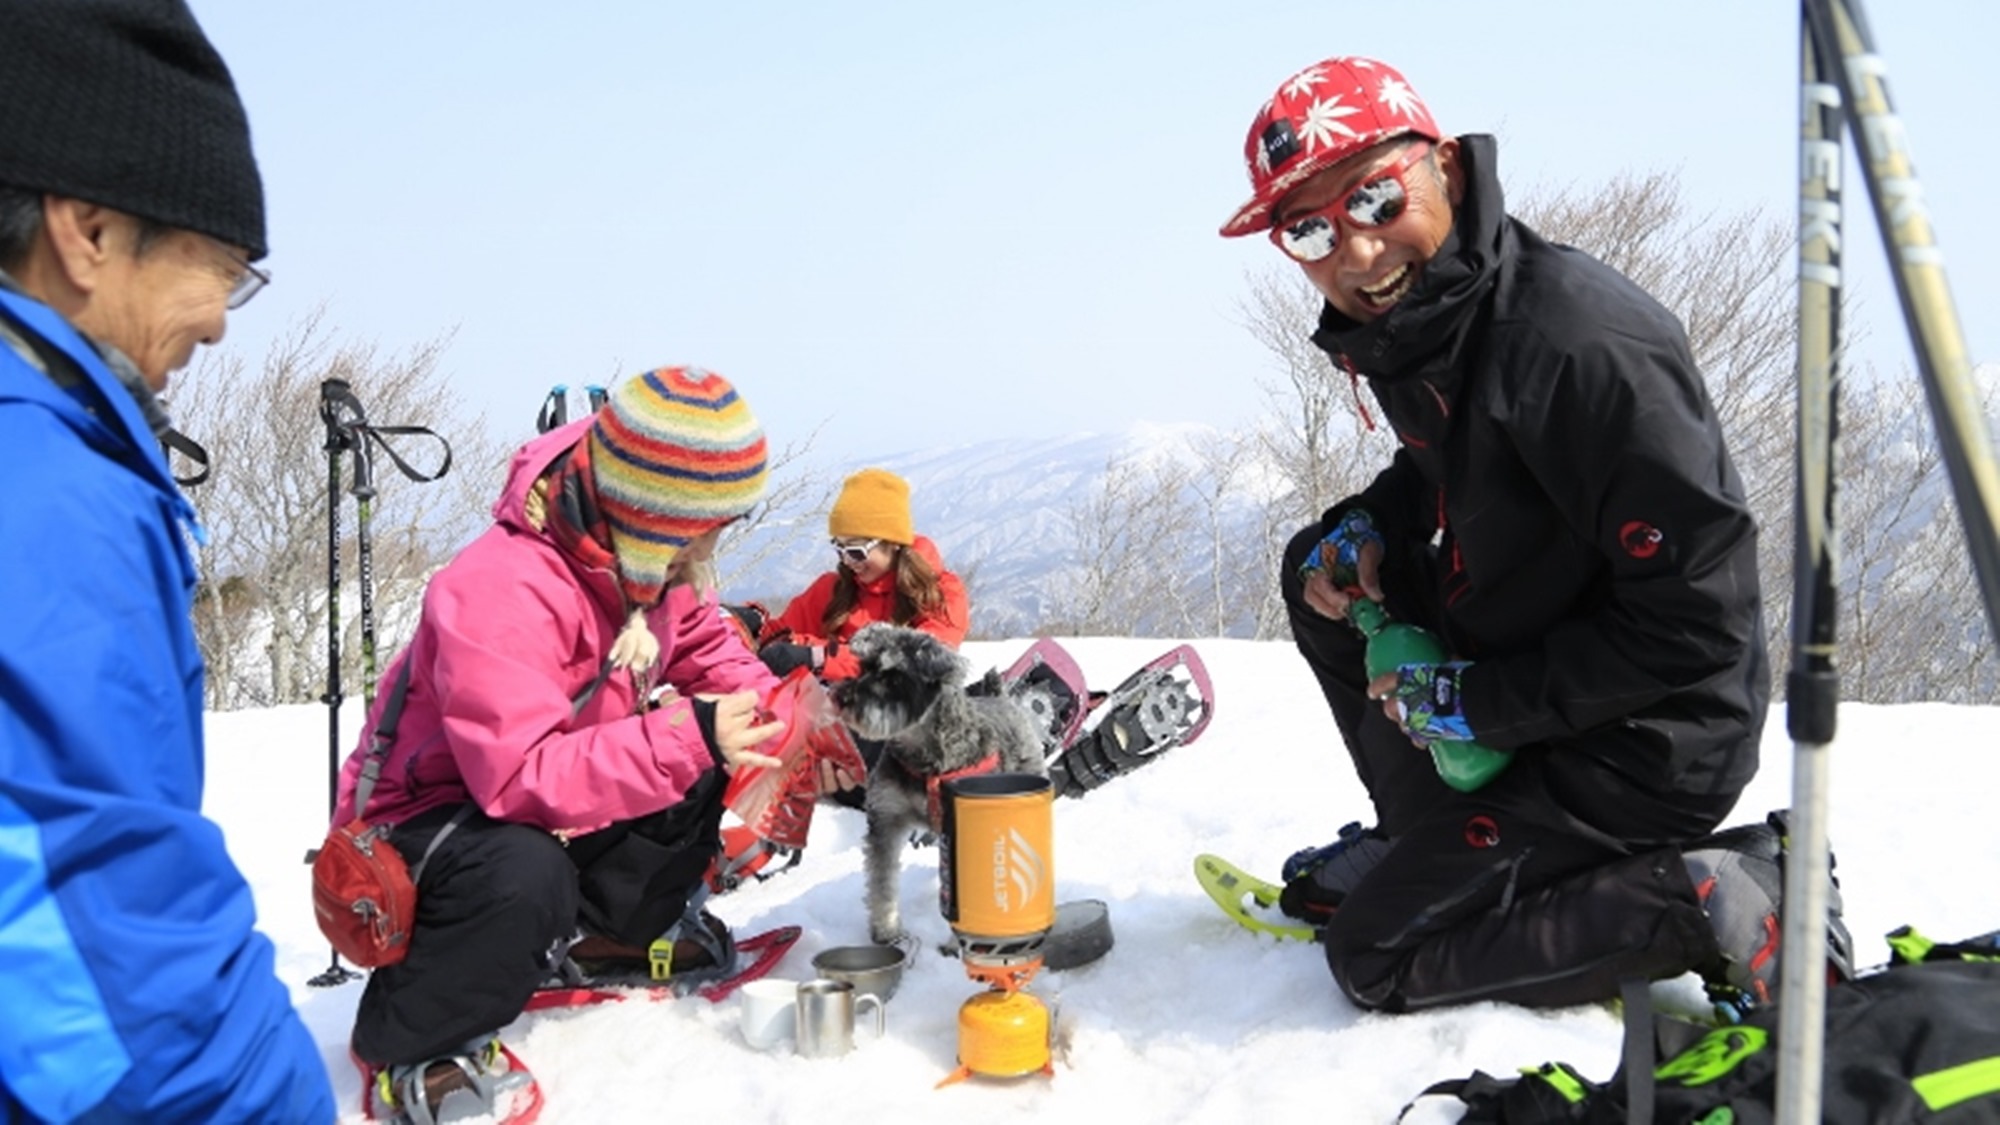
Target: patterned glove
(1339,554)
(1431,702)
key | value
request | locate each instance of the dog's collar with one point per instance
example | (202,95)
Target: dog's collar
(934,786)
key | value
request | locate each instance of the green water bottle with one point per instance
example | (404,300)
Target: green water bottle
(1464,765)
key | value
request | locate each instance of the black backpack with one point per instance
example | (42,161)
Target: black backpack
(1916,1042)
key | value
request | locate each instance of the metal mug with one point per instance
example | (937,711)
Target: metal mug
(825,1014)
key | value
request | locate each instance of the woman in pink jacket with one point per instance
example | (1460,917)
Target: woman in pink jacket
(571,706)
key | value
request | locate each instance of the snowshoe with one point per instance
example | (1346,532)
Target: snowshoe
(1046,683)
(629,973)
(1164,704)
(1251,902)
(485,1082)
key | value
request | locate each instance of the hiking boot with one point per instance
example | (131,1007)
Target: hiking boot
(1738,877)
(1317,880)
(1139,729)
(483,1081)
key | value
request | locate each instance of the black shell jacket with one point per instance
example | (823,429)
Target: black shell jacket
(1562,478)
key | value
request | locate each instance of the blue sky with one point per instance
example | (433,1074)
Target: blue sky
(915,224)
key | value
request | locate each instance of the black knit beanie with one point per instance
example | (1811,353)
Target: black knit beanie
(125,103)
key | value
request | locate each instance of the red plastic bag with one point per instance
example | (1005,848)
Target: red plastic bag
(777,803)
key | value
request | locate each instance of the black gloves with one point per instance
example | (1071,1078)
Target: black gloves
(783,656)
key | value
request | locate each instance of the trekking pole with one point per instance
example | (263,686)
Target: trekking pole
(363,491)
(555,409)
(1917,266)
(333,398)
(348,431)
(358,435)
(1841,76)
(1812,686)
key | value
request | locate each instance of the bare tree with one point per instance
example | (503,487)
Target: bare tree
(1319,437)
(1276,524)
(261,609)
(788,521)
(1912,626)
(1127,573)
(1224,465)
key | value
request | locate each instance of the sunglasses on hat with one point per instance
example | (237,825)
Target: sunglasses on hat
(852,553)
(1376,201)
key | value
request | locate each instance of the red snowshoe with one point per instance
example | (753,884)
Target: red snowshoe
(487,1083)
(1165,704)
(636,976)
(1046,682)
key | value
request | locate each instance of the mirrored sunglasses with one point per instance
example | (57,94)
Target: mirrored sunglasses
(852,553)
(1375,202)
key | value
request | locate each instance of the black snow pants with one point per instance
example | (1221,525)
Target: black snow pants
(499,902)
(1506,893)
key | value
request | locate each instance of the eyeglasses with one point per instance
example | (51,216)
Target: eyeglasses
(1377,201)
(854,554)
(249,279)
(248,283)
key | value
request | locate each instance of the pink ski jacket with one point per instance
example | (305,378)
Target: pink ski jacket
(513,629)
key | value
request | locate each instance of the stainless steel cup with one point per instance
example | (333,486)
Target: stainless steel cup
(825,1015)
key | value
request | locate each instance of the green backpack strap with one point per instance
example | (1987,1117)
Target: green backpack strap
(1908,947)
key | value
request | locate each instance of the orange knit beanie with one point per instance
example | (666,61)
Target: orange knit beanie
(873,504)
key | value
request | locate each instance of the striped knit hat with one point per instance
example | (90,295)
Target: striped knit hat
(674,453)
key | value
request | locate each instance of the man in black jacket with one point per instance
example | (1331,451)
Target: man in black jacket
(1562,513)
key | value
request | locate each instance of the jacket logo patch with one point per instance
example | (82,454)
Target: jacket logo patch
(1482,831)
(1640,539)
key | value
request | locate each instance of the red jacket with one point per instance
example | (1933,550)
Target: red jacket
(803,621)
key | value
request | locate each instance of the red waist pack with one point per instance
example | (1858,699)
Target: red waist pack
(363,896)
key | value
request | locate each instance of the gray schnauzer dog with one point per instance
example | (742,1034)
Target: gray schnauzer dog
(910,696)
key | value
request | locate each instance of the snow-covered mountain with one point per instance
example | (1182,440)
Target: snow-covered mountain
(1005,515)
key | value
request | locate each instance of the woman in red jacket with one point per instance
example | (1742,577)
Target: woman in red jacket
(886,572)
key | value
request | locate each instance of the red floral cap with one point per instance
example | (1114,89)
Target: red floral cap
(1320,116)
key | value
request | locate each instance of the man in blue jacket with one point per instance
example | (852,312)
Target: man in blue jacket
(136,987)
